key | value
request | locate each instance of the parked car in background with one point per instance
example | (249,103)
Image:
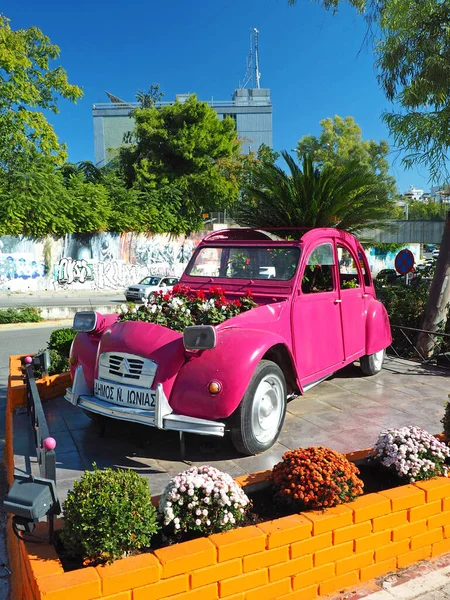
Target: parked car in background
(315,311)
(389,276)
(143,289)
(435,253)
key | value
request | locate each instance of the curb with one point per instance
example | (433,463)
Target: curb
(421,580)
(49,323)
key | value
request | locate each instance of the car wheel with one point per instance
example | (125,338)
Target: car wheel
(257,422)
(99,420)
(371,364)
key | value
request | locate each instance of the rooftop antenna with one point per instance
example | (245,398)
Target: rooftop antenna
(257,73)
(252,75)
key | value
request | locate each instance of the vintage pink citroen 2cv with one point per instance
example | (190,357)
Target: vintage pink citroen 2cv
(315,311)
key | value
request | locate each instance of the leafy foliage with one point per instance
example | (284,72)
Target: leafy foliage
(203,499)
(340,142)
(25,314)
(107,514)
(446,419)
(28,85)
(183,160)
(316,477)
(349,197)
(182,307)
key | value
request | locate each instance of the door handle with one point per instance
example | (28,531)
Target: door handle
(338,301)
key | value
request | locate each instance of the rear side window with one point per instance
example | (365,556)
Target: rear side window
(348,269)
(318,276)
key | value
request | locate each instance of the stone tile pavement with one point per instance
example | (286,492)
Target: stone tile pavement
(346,413)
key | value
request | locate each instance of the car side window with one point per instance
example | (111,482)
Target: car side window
(348,269)
(318,275)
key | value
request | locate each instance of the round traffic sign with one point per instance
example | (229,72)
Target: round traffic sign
(404,262)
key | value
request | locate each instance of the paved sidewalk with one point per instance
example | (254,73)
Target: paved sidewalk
(427,580)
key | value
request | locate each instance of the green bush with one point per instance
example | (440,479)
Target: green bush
(59,345)
(107,514)
(61,340)
(446,419)
(24,314)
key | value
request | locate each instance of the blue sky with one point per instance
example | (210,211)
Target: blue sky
(315,64)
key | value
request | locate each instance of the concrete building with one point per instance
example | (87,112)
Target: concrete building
(251,108)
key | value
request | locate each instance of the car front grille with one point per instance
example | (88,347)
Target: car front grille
(127,368)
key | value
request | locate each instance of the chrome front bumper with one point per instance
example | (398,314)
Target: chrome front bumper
(161,417)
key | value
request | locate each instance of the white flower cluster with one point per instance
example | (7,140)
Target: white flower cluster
(203,499)
(412,452)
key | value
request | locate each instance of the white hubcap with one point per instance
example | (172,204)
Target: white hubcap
(267,408)
(378,360)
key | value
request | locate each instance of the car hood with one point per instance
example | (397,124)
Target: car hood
(160,344)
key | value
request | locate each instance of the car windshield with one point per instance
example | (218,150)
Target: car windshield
(241,262)
(150,281)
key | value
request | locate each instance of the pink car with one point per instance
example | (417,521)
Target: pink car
(316,312)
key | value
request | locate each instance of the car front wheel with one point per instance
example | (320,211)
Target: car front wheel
(371,364)
(257,422)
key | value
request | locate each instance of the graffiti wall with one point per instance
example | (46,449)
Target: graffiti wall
(105,261)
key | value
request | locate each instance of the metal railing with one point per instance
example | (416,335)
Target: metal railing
(409,334)
(44,443)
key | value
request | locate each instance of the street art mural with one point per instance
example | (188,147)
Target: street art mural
(104,261)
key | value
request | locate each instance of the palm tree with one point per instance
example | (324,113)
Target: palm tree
(350,196)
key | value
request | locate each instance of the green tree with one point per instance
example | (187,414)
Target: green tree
(88,205)
(349,197)
(341,141)
(34,202)
(27,86)
(184,160)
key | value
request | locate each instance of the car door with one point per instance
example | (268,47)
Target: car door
(316,315)
(353,310)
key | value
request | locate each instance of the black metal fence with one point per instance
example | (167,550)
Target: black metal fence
(404,345)
(31,496)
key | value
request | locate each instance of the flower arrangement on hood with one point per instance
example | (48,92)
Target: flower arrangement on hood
(412,453)
(181,307)
(203,499)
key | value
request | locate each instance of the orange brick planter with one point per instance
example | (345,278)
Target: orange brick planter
(298,557)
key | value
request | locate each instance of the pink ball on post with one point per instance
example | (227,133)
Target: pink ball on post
(49,443)
(28,360)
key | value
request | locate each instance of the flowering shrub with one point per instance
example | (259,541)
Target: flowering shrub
(181,307)
(316,477)
(412,453)
(446,419)
(203,499)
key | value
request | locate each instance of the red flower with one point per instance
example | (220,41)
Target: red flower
(217,291)
(248,294)
(247,261)
(201,295)
(181,290)
(237,303)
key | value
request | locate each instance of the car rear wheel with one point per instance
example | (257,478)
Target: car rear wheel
(257,422)
(371,364)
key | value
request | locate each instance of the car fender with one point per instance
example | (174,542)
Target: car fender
(378,328)
(84,352)
(232,363)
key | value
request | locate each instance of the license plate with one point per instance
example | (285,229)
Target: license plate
(125,395)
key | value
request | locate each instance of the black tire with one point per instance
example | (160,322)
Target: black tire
(371,364)
(251,431)
(98,420)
